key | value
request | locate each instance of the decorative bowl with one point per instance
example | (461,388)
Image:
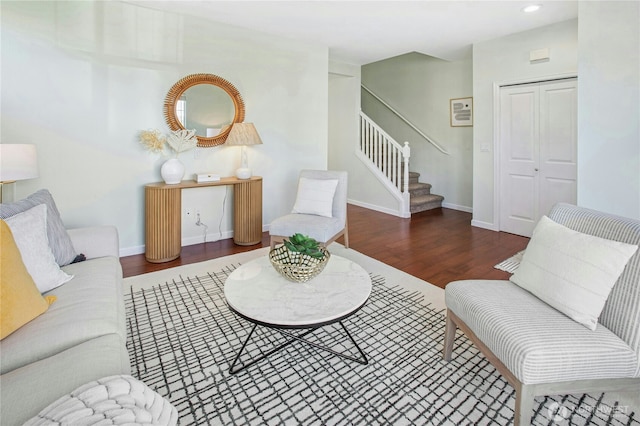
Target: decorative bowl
(297,267)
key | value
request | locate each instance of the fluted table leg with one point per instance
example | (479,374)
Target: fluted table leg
(162,223)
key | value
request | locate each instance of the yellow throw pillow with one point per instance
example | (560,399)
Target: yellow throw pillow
(20,299)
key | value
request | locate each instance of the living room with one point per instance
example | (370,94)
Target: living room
(80,80)
(82,93)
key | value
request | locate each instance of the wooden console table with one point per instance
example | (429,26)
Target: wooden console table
(163,215)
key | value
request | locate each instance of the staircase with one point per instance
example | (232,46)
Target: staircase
(389,162)
(420,197)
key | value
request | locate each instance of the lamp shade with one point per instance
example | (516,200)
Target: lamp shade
(18,162)
(243,134)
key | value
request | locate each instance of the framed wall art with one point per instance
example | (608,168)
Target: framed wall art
(461,112)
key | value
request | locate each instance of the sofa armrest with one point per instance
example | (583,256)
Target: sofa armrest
(96,241)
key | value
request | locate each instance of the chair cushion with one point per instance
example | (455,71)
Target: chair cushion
(319,228)
(571,271)
(537,343)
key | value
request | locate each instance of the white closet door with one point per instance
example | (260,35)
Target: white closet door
(519,151)
(558,144)
(537,126)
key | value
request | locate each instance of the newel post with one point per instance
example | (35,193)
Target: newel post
(406,153)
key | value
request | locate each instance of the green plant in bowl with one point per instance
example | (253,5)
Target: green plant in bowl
(300,258)
(303,244)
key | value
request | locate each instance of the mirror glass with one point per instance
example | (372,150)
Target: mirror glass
(207,103)
(206,108)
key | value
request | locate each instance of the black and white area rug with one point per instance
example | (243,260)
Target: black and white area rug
(183,338)
(511,264)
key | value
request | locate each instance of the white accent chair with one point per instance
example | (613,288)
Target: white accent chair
(323,229)
(538,349)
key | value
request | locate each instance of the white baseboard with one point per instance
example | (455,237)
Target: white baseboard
(457,207)
(394,212)
(130,251)
(211,237)
(484,225)
(397,212)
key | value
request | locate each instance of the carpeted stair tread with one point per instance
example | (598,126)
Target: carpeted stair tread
(413,177)
(419,188)
(425,202)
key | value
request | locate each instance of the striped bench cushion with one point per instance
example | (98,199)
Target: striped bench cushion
(537,343)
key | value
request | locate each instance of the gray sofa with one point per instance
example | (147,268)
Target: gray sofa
(538,349)
(80,338)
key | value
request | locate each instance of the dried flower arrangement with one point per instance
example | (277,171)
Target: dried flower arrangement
(177,141)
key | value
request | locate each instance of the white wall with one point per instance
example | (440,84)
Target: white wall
(506,60)
(344,108)
(81,79)
(420,87)
(609,107)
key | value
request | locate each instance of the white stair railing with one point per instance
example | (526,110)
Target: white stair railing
(403,118)
(387,159)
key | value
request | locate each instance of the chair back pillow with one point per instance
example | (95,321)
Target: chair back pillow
(571,271)
(315,196)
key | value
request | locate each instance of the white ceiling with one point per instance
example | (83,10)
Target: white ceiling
(361,32)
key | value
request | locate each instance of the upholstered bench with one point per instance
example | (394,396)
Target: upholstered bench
(543,344)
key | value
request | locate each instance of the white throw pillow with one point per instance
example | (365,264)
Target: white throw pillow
(571,271)
(315,196)
(29,230)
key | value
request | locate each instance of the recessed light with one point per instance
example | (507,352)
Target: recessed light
(531,8)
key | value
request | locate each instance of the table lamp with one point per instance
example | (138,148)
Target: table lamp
(243,134)
(17,162)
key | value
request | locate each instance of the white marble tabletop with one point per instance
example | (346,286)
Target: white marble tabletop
(258,292)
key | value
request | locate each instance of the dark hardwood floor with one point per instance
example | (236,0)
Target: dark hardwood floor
(438,246)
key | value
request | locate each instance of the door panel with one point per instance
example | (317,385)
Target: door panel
(538,144)
(521,110)
(522,204)
(561,189)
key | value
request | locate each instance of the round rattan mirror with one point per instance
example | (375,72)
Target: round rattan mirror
(207,103)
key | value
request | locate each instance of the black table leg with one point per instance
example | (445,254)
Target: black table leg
(260,358)
(293,338)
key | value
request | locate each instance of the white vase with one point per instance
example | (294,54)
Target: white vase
(172,171)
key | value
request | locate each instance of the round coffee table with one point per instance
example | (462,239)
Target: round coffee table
(258,293)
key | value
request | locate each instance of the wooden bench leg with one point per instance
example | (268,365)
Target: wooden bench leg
(524,405)
(346,235)
(449,338)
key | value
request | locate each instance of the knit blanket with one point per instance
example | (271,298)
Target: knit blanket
(114,400)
